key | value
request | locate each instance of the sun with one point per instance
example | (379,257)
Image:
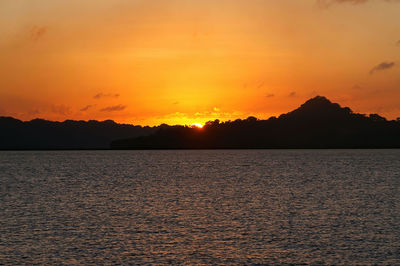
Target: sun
(198,125)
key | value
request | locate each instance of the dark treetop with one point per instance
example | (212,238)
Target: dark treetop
(318,123)
(42,134)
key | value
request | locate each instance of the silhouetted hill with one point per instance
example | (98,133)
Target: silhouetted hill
(318,123)
(43,134)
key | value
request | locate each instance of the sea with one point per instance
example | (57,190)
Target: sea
(253,207)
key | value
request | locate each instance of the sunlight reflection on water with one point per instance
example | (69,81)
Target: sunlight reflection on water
(212,207)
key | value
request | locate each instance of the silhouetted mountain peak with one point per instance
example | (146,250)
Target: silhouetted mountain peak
(317,100)
(318,103)
(319,107)
(318,123)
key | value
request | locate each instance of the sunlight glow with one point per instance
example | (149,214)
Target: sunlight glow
(198,125)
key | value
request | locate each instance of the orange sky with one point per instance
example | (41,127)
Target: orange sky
(184,61)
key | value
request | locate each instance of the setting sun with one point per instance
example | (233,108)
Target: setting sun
(198,125)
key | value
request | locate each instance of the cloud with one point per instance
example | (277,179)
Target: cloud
(292,94)
(37,32)
(87,107)
(261,85)
(106,95)
(270,95)
(61,109)
(382,66)
(327,3)
(113,108)
(346,1)
(34,111)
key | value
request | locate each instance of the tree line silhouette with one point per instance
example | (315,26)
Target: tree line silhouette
(318,123)
(40,134)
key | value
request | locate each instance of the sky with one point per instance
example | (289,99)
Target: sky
(149,62)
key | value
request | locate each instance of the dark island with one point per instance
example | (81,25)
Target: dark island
(40,134)
(317,124)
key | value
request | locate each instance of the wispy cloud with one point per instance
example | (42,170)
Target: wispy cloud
(61,109)
(34,111)
(87,107)
(105,95)
(348,1)
(327,3)
(382,66)
(37,32)
(261,84)
(113,108)
(270,95)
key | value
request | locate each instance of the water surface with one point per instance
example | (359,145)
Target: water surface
(242,207)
